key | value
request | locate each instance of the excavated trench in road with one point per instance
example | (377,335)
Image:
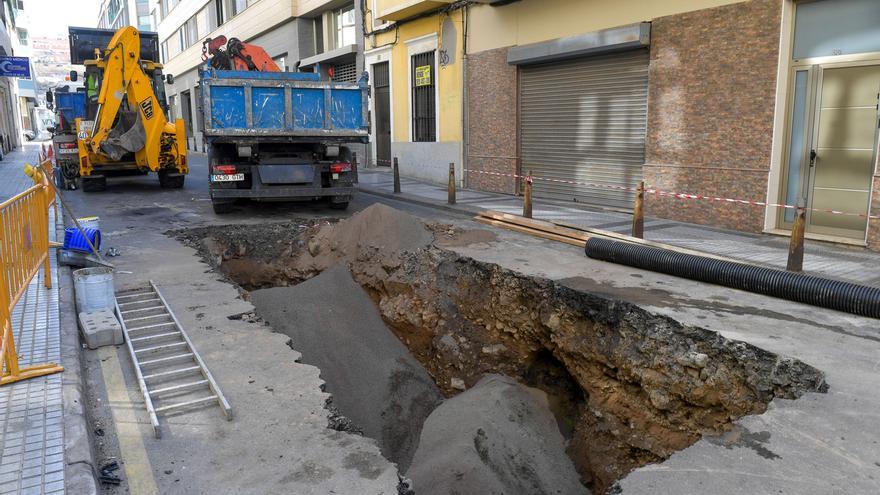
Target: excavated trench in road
(627,387)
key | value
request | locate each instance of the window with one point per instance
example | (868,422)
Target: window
(181,40)
(20,4)
(220,11)
(144,23)
(22,36)
(424,117)
(164,49)
(113,9)
(344,25)
(192,32)
(318,32)
(281,62)
(238,6)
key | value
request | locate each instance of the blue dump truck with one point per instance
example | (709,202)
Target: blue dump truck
(281,136)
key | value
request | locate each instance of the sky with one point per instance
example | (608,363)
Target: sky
(52,17)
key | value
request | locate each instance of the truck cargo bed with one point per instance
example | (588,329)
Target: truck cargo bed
(241,104)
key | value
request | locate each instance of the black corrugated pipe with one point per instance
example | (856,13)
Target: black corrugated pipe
(823,292)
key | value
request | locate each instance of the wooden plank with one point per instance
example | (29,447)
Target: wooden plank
(531,223)
(533,232)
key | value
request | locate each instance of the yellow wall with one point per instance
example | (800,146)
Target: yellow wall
(449,78)
(532,21)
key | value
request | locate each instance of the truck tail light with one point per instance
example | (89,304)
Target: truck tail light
(67,146)
(338,168)
(223,169)
(183,161)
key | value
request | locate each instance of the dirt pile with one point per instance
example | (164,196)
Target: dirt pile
(497,437)
(374,380)
(379,233)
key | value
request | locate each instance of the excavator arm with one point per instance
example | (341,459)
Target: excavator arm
(129,117)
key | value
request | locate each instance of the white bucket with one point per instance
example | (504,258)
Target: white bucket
(94,289)
(90,222)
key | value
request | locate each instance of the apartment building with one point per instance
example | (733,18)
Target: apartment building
(10,131)
(414,51)
(115,14)
(309,35)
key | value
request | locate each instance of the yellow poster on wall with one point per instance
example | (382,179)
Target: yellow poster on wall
(423,75)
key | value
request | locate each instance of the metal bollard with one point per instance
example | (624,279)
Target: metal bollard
(796,246)
(527,197)
(396,177)
(638,227)
(451,199)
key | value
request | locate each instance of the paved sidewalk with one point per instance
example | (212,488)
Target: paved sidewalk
(32,412)
(830,260)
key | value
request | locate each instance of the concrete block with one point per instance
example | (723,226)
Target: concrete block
(100,328)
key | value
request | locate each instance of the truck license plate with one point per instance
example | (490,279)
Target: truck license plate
(227,177)
(63,151)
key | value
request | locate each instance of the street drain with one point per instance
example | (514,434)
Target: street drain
(627,387)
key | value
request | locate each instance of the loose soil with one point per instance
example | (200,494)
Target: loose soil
(628,387)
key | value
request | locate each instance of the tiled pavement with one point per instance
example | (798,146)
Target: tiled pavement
(836,261)
(31,413)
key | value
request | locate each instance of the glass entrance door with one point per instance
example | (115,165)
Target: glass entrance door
(832,146)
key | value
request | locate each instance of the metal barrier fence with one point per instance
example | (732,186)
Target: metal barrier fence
(24,250)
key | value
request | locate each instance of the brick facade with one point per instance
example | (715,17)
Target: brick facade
(710,111)
(492,120)
(874,224)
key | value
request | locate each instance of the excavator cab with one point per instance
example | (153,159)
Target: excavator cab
(126,129)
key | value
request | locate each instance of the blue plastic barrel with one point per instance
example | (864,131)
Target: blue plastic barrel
(74,240)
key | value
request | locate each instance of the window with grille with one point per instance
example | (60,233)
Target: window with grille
(424,117)
(345,73)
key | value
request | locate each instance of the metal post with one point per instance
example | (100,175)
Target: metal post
(796,247)
(396,177)
(451,184)
(527,199)
(638,227)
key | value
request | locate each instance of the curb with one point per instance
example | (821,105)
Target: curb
(79,470)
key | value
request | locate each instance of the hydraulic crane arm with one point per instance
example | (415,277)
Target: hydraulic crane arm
(140,124)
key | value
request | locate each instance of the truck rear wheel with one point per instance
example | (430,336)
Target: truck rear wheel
(94,183)
(222,207)
(171,180)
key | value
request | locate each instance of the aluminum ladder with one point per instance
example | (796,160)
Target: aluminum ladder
(165,360)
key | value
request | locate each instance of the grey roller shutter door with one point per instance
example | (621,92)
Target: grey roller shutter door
(584,120)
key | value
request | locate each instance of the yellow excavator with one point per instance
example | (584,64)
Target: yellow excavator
(126,131)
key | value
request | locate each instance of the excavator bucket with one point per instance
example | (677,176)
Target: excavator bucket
(127,136)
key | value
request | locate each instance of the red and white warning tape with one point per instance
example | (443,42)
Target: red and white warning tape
(658,192)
